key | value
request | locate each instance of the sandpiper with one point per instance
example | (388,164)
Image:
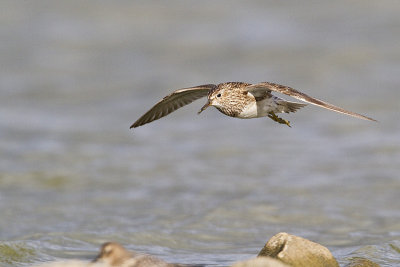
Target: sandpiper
(239,100)
(115,255)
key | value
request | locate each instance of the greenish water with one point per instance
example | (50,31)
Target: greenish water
(202,189)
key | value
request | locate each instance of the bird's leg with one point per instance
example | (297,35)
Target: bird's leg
(273,116)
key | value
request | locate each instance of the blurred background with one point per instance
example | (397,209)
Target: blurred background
(205,189)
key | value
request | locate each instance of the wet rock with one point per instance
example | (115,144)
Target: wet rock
(115,255)
(71,263)
(298,252)
(361,262)
(261,262)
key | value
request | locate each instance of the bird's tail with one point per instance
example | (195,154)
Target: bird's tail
(287,106)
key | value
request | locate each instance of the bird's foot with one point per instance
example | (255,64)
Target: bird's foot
(273,116)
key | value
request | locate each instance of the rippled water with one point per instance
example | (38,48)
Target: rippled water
(196,189)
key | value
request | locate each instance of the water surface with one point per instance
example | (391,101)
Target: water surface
(196,189)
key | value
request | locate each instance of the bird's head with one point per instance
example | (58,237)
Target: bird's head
(215,98)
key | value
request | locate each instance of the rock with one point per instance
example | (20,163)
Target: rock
(115,255)
(71,263)
(361,262)
(261,262)
(298,252)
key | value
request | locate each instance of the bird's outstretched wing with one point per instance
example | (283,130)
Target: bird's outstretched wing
(172,102)
(260,88)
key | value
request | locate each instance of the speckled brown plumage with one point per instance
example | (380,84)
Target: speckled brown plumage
(234,97)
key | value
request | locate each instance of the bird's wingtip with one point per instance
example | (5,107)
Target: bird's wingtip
(369,118)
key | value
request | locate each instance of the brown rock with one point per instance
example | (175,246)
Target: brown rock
(115,255)
(298,252)
(261,262)
(71,263)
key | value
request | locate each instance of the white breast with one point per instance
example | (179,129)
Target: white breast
(250,111)
(258,109)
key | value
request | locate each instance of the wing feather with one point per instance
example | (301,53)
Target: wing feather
(268,87)
(172,102)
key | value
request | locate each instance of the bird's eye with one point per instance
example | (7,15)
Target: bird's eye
(219,95)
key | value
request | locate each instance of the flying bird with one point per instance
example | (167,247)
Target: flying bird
(239,100)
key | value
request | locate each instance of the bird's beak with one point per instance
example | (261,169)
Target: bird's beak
(204,107)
